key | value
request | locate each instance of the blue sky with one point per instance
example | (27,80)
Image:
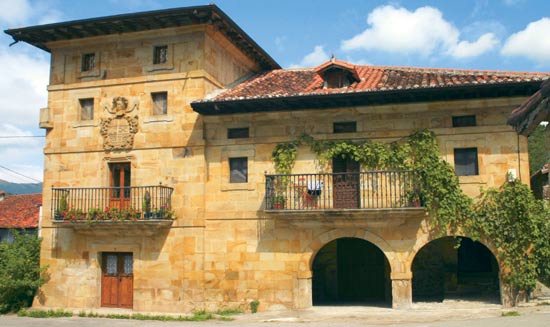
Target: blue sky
(509,35)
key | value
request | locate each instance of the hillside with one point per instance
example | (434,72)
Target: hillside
(16,188)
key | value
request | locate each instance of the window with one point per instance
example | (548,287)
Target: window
(238,170)
(86,109)
(466,162)
(159,103)
(237,133)
(345,127)
(160,54)
(335,79)
(88,62)
(464,121)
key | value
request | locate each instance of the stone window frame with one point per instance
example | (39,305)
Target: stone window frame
(233,133)
(81,102)
(462,121)
(239,152)
(466,152)
(86,94)
(95,72)
(155,96)
(480,143)
(149,117)
(344,125)
(168,65)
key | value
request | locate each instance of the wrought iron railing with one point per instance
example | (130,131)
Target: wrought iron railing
(360,190)
(112,203)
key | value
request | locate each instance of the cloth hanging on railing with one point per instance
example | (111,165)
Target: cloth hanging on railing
(314,187)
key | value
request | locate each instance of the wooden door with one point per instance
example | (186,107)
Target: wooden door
(120,185)
(345,183)
(117,281)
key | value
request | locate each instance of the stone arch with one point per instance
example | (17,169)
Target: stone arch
(430,237)
(441,271)
(309,251)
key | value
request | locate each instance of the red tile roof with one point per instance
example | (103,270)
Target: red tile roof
(532,111)
(20,211)
(282,83)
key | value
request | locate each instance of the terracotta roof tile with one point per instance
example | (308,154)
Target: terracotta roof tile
(20,211)
(299,82)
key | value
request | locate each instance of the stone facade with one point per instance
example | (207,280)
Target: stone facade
(224,249)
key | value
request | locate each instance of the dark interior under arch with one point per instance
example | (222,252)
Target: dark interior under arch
(351,271)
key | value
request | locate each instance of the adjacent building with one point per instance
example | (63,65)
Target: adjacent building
(158,179)
(20,212)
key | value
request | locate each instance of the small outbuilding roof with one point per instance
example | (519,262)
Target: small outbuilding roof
(20,211)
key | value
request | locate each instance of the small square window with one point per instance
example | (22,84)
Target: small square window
(160,54)
(238,170)
(464,121)
(238,133)
(345,127)
(466,162)
(86,109)
(88,62)
(160,101)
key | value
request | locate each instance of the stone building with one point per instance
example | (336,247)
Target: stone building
(158,173)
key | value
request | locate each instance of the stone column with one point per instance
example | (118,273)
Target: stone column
(401,284)
(302,291)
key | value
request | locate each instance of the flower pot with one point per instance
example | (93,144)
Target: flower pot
(278,206)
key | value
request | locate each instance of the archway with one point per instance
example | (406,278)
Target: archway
(351,270)
(441,270)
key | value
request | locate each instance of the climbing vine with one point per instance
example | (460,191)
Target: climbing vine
(516,223)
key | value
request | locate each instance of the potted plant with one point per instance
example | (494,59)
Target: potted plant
(62,206)
(278,201)
(414,198)
(146,205)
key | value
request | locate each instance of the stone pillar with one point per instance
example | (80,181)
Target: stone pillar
(401,284)
(302,291)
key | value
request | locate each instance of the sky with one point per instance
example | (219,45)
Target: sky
(511,35)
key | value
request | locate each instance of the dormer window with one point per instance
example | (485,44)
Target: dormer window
(337,74)
(336,79)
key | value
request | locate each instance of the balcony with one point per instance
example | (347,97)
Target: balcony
(116,209)
(377,192)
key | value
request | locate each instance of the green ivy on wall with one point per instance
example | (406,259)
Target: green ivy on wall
(510,217)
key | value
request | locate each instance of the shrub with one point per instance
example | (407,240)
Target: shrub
(20,271)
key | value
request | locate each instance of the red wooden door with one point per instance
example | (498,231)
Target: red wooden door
(345,183)
(117,281)
(120,184)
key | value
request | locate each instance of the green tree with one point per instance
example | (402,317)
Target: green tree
(20,271)
(538,155)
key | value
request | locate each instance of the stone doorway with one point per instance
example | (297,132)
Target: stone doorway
(441,271)
(351,271)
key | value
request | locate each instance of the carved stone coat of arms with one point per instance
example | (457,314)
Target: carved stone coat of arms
(119,127)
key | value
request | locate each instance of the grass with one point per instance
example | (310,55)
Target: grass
(229,312)
(543,303)
(199,315)
(44,313)
(510,314)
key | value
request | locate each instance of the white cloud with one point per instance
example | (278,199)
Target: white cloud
(465,49)
(15,11)
(314,58)
(533,42)
(423,31)
(22,87)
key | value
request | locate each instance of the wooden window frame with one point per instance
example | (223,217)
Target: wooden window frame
(344,127)
(82,103)
(464,121)
(463,154)
(236,164)
(238,133)
(153,101)
(88,65)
